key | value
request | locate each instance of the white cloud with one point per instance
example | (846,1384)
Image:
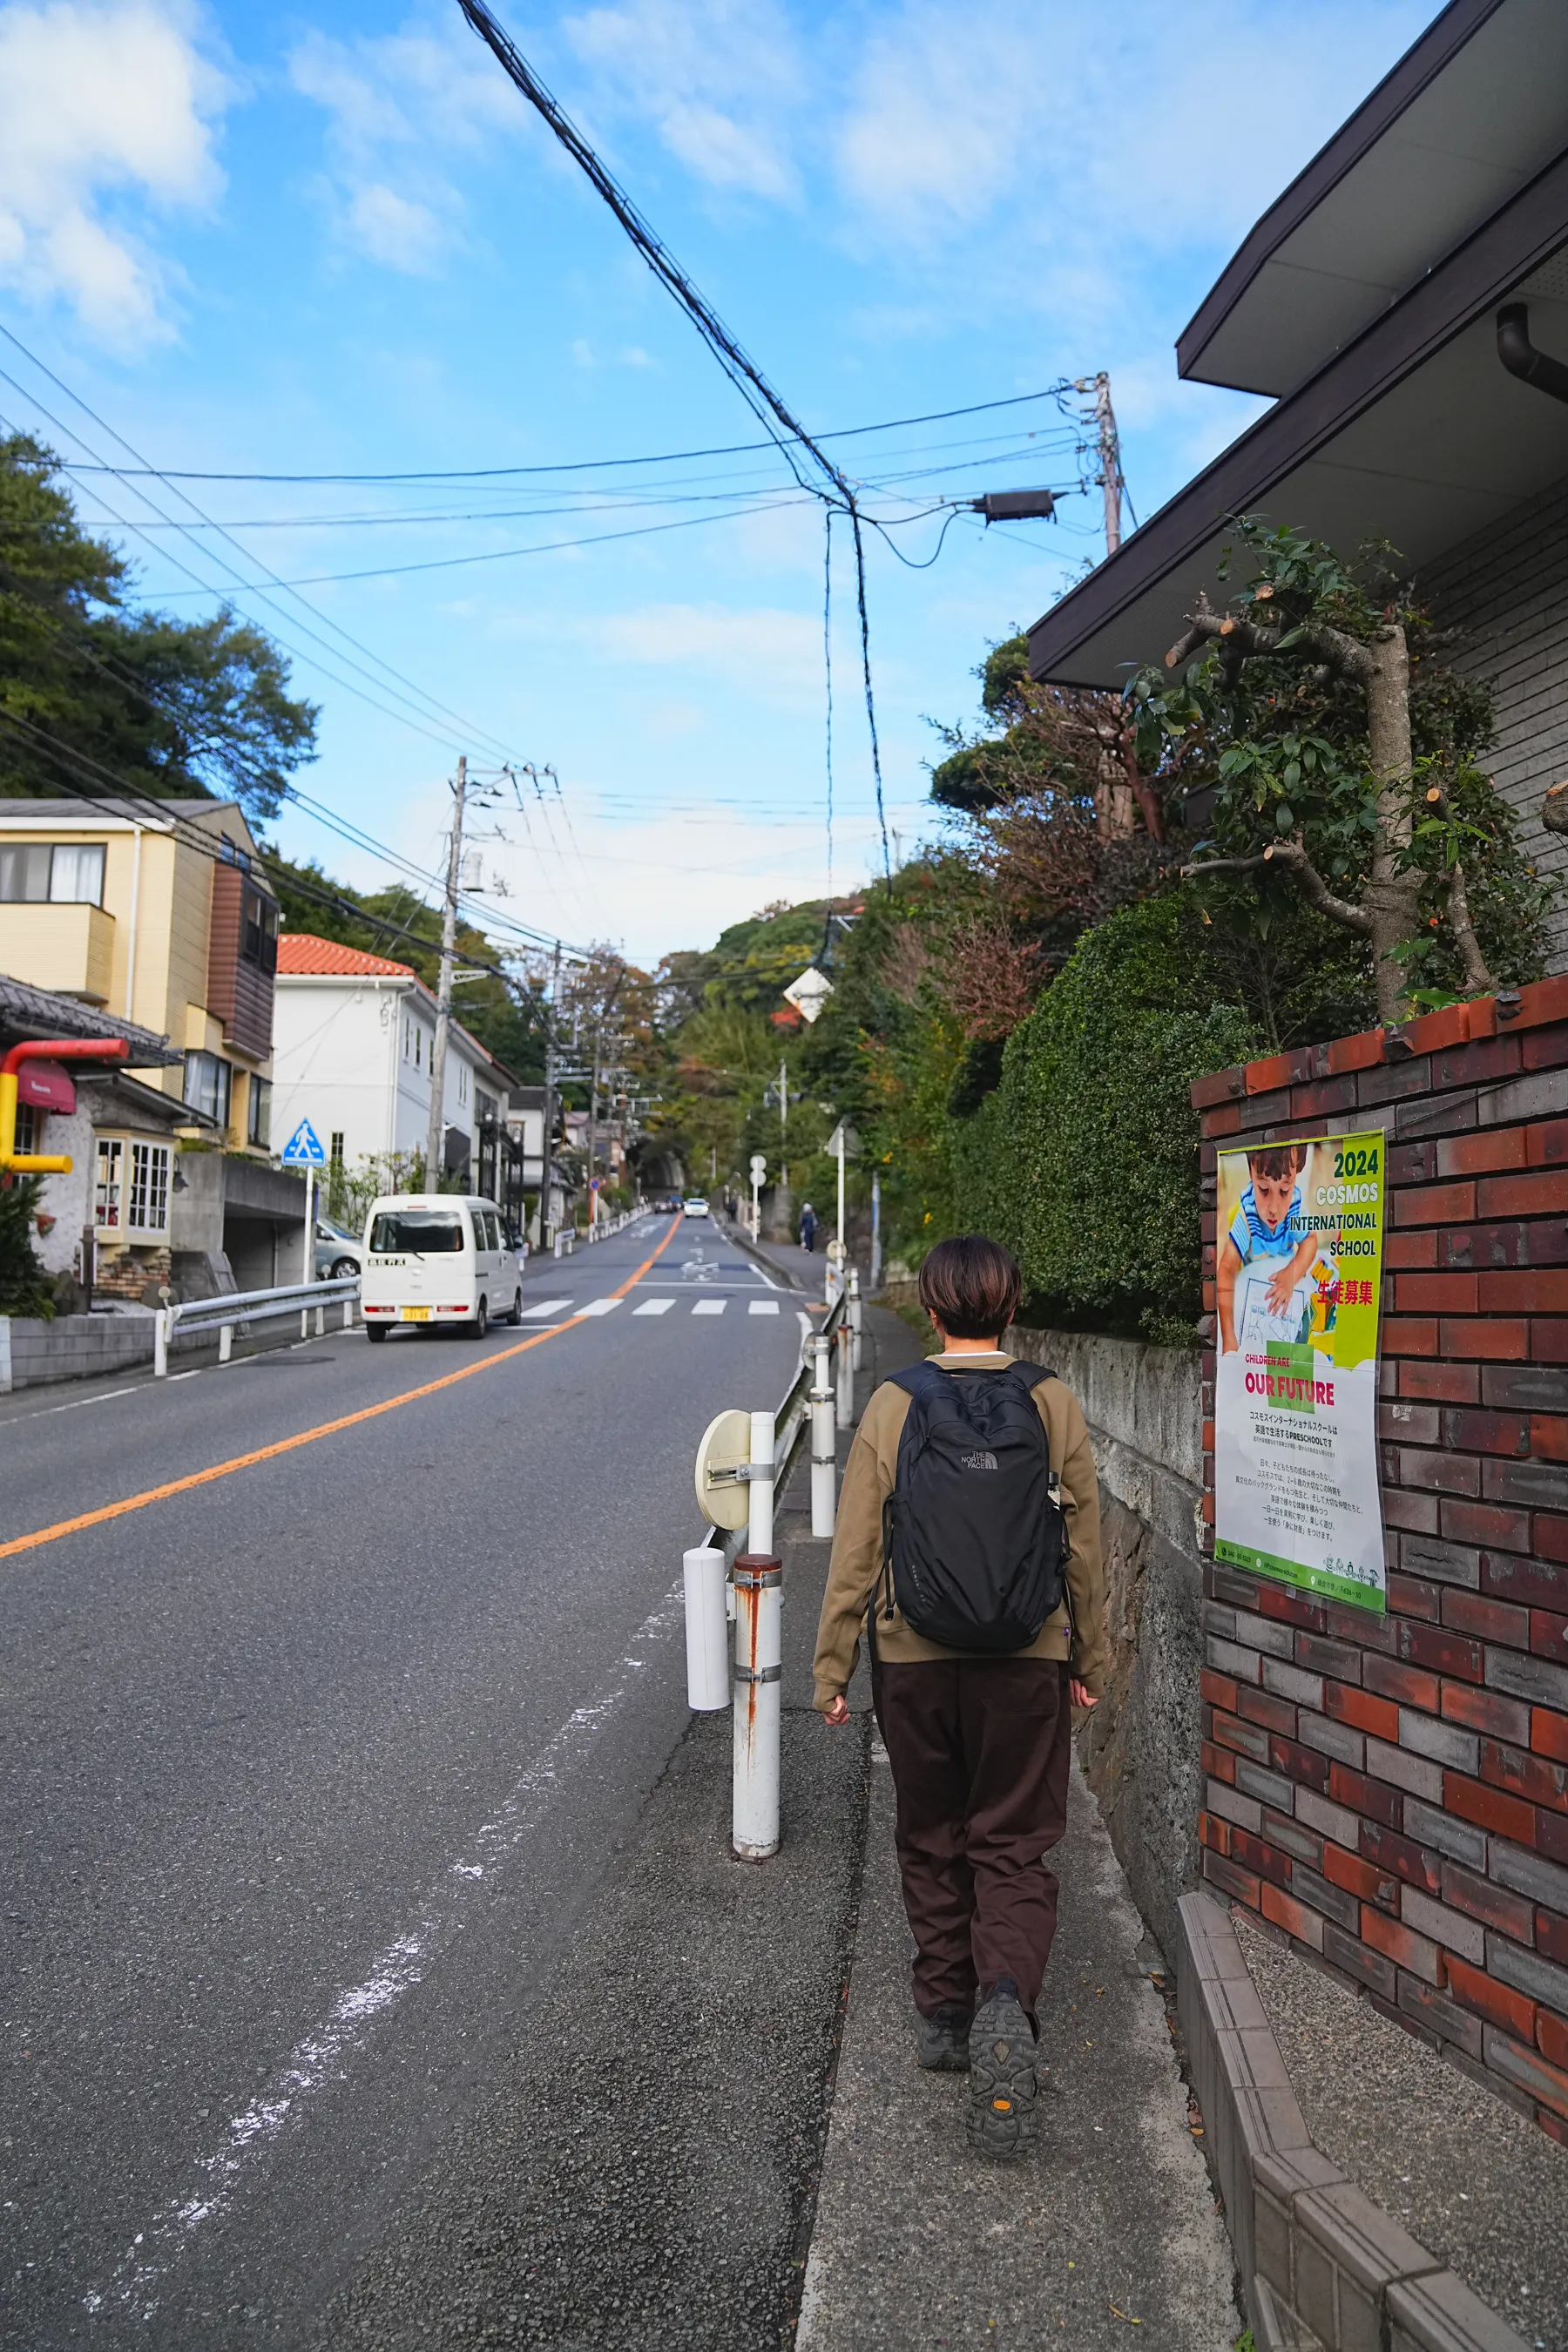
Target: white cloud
(775,655)
(99,105)
(395,102)
(717,77)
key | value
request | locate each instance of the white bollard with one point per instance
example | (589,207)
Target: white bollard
(348,1314)
(855,1318)
(759,1653)
(226,1343)
(321,1322)
(845,1413)
(760,1523)
(707,1629)
(823,1442)
(161,1344)
(304,1322)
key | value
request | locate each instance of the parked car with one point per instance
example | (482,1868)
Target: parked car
(338,1252)
(697,1206)
(438,1257)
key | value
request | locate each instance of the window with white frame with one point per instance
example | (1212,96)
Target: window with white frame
(68,873)
(147,1209)
(109,1200)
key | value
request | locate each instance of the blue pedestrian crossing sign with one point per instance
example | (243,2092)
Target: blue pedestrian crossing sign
(303,1148)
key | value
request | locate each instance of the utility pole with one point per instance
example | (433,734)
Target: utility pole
(594,1125)
(546,1190)
(1109,461)
(436,1134)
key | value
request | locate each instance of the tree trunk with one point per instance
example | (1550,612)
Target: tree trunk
(1392,896)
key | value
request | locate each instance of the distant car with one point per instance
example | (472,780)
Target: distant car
(670,1207)
(337,1253)
(696,1207)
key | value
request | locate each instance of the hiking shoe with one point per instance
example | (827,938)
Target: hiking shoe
(942,2040)
(1003,2081)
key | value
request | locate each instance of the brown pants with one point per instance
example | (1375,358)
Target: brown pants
(980,1748)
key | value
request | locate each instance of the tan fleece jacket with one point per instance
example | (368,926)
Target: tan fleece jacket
(856,1561)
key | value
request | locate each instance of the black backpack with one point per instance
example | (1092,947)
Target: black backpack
(973,1536)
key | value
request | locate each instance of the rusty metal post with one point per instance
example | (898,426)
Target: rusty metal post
(759,1666)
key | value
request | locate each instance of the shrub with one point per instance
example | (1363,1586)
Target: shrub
(25,1287)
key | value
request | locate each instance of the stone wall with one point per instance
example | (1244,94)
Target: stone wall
(1393,1791)
(1141,1748)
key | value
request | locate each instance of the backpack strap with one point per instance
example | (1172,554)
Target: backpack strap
(924,1379)
(1033,1373)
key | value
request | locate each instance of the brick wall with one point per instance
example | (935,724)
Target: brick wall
(1394,1792)
(1506,592)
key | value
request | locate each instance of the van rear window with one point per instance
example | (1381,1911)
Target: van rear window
(422,1233)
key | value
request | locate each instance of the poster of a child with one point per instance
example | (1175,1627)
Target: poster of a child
(1268,1252)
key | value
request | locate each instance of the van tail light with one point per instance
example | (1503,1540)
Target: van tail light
(461,1309)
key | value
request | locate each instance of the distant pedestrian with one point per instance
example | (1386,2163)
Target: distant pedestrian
(807,1227)
(984,1621)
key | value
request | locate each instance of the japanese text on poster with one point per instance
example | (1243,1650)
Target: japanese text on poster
(1297,1278)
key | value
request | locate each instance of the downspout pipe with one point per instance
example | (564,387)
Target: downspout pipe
(1519,356)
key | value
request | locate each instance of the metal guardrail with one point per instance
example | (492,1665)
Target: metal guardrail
(231,1306)
(565,1243)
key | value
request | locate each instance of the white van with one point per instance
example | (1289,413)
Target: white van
(438,1257)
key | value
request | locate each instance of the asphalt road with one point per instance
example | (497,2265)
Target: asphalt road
(308,1769)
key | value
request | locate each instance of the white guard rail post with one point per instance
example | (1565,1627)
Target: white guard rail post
(759,1662)
(231,1306)
(855,1318)
(845,1338)
(823,1440)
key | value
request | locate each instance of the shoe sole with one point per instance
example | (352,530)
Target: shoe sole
(1002,2084)
(954,2061)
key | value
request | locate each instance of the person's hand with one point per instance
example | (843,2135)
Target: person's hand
(838,1713)
(1279,1288)
(1081,1697)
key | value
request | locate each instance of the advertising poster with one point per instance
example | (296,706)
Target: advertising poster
(1298,1261)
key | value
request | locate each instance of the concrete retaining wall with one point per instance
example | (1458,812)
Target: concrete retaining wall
(34,1353)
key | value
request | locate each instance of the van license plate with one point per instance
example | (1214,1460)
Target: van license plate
(414,1315)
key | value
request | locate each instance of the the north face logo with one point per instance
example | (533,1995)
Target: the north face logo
(977,1460)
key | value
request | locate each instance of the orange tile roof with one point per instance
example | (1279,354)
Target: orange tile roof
(302,951)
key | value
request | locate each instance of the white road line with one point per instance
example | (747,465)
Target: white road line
(710,1306)
(596,1306)
(654,1306)
(764,1307)
(322,2058)
(545,1307)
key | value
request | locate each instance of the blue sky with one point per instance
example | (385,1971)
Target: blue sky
(276,241)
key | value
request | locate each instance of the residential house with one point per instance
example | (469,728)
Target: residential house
(1371,304)
(354,1047)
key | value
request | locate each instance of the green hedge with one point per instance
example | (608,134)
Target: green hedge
(1085,1158)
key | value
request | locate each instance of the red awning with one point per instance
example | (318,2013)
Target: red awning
(47,1086)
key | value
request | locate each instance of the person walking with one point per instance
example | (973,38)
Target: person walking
(807,1227)
(968,1546)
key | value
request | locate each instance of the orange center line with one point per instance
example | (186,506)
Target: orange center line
(309,1436)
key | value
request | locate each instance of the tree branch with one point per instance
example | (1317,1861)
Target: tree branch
(1293,858)
(1477,976)
(1239,638)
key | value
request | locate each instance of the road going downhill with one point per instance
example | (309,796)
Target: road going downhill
(329,1683)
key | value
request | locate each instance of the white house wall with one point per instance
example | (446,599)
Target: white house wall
(337,1061)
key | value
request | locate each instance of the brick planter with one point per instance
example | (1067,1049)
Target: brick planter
(1394,1792)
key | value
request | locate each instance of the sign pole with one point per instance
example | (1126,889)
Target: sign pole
(309,1269)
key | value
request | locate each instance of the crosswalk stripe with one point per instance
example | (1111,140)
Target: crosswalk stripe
(654,1306)
(765,1307)
(597,1307)
(710,1306)
(545,1307)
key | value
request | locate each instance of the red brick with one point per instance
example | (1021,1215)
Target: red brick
(1427,1471)
(1415,1336)
(1241,1885)
(1541,1002)
(1442,1294)
(1551,2038)
(1262,1706)
(1549,1636)
(1263,1078)
(1217,1762)
(1360,1878)
(1219,1086)
(1444,1653)
(1542,1194)
(1387,1851)
(1547,1145)
(1477,1064)
(1548,1339)
(1490,1342)
(1251,1854)
(1520,1290)
(1306,1926)
(1213,1832)
(1488,1524)
(1408,1597)
(1380,1805)
(1551,1538)
(1401,1945)
(1498,2003)
(1218,1689)
(1278,1601)
(1440,1383)
(1487,1620)
(1434,1033)
(1341,1661)
(1488,1433)
(1510,1915)
(1485,1710)
(1478,1155)
(1224,1120)
(1408,1685)
(1410,1163)
(1364,1052)
(1552,1837)
(1240,1738)
(1533,1583)
(1549,1436)
(1489,1808)
(1543,1049)
(1552,1935)
(1347,1705)
(1535,1778)
(1308,1764)
(1417,1513)
(1323,1098)
(1549,1733)
(1435,1204)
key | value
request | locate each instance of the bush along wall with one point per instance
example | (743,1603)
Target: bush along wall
(1392,1792)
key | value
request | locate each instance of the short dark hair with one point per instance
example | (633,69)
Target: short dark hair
(972,1285)
(1277,1160)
